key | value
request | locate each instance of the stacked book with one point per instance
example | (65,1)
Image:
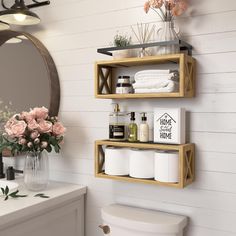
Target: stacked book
(156,81)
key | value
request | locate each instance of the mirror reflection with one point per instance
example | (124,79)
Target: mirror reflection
(25,81)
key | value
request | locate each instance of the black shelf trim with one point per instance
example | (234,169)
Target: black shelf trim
(184,46)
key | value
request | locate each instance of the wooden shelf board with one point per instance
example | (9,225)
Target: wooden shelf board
(139,95)
(136,180)
(150,145)
(135,61)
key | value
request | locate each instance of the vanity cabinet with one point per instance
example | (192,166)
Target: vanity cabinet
(106,73)
(61,214)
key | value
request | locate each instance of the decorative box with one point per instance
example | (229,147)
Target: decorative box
(169,125)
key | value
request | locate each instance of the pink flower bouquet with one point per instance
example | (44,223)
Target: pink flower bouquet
(166,9)
(33,131)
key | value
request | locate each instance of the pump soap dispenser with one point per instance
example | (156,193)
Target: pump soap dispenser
(144,129)
(132,129)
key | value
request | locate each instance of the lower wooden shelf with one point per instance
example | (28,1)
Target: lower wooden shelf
(186,161)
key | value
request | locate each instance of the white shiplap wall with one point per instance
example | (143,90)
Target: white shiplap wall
(72,30)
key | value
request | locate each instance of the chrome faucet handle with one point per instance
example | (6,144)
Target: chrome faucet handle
(105,228)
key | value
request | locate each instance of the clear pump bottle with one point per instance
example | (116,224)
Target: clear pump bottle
(144,129)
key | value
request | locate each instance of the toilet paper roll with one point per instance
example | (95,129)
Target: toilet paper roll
(167,167)
(116,161)
(141,164)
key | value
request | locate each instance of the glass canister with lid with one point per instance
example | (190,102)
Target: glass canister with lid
(117,128)
(124,85)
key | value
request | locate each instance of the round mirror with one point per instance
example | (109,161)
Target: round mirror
(28,74)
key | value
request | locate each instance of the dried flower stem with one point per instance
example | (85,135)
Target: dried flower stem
(162,15)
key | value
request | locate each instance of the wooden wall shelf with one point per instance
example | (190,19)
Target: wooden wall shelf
(186,161)
(105,81)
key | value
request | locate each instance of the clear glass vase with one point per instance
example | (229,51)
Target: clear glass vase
(167,33)
(36,171)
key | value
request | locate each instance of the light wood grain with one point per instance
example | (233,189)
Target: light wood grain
(186,79)
(186,161)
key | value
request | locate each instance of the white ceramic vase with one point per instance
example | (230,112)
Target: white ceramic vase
(119,54)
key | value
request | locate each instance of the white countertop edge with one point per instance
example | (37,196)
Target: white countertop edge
(18,210)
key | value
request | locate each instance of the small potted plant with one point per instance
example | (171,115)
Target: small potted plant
(121,41)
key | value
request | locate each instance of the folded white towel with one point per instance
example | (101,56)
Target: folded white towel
(171,87)
(151,84)
(147,78)
(151,75)
(144,72)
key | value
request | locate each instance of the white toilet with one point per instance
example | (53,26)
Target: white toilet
(120,220)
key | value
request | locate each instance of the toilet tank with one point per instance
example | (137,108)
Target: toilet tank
(120,220)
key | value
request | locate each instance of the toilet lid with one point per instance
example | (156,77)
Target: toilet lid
(143,220)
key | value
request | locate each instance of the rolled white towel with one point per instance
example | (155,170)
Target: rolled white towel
(171,87)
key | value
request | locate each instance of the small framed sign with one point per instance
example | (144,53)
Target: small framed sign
(169,125)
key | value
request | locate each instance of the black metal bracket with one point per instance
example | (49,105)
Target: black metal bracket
(182,44)
(35,4)
(38,4)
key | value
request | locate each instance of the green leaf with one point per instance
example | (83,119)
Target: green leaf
(60,139)
(39,195)
(49,148)
(18,195)
(53,141)
(42,195)
(6,190)
(14,193)
(57,148)
(45,196)
(3,191)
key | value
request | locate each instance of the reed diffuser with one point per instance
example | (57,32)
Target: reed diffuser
(143,34)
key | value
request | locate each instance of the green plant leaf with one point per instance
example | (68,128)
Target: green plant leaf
(60,139)
(49,148)
(45,196)
(18,195)
(42,195)
(14,193)
(53,140)
(6,190)
(39,195)
(3,191)
(57,148)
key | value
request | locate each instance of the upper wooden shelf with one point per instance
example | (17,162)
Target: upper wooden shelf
(105,82)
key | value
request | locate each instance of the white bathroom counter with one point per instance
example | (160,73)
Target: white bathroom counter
(16,211)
